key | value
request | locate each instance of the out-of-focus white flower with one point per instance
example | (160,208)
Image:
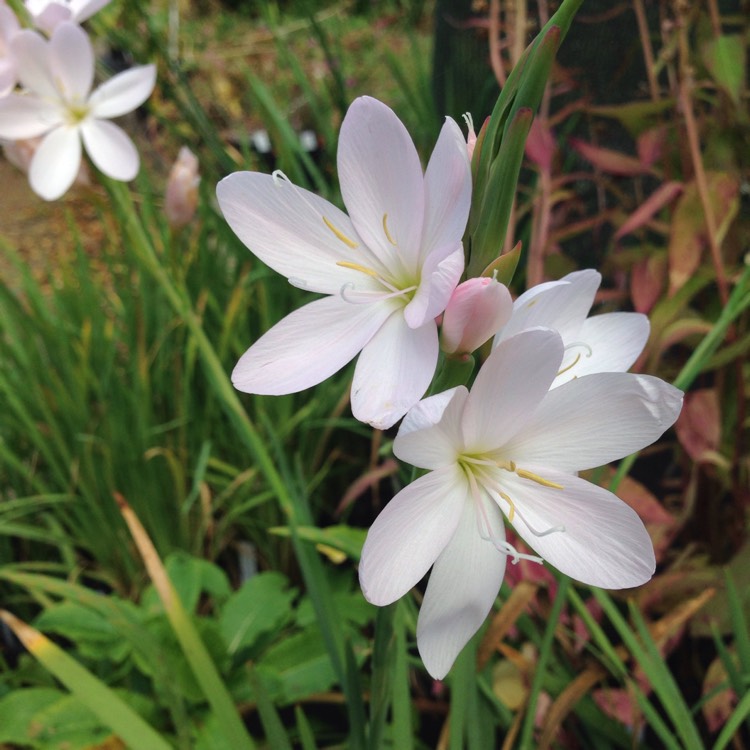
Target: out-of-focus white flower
(181,196)
(48,14)
(9,27)
(610,342)
(388,268)
(511,446)
(476,311)
(21,153)
(59,105)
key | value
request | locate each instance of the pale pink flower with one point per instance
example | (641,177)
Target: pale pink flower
(9,27)
(609,342)
(59,105)
(47,15)
(387,269)
(512,447)
(181,196)
(476,311)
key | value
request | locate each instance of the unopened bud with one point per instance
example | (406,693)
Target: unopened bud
(477,310)
(471,137)
(182,189)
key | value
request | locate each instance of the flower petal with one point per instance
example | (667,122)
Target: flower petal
(394,371)
(615,341)
(447,184)
(288,228)
(307,346)
(463,585)
(26,116)
(509,386)
(382,182)
(596,419)
(71,57)
(111,149)
(124,92)
(439,279)
(409,534)
(56,163)
(603,543)
(430,435)
(31,53)
(84,9)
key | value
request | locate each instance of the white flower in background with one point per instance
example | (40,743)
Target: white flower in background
(609,342)
(9,27)
(512,446)
(47,15)
(388,268)
(59,105)
(181,198)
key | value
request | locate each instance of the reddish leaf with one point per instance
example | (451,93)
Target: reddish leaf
(650,145)
(699,426)
(718,708)
(647,281)
(540,144)
(619,705)
(655,202)
(613,162)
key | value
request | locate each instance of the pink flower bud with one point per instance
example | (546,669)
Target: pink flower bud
(471,137)
(476,311)
(182,189)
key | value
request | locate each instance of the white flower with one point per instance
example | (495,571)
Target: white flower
(48,14)
(610,342)
(59,105)
(388,268)
(9,27)
(512,446)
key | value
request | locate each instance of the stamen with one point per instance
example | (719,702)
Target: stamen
(371,295)
(387,233)
(507,465)
(357,267)
(510,503)
(583,345)
(348,242)
(570,366)
(469,120)
(536,532)
(539,480)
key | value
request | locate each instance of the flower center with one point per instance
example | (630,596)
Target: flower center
(77,113)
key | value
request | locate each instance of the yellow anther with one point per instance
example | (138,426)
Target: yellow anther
(511,504)
(570,366)
(539,480)
(387,233)
(349,242)
(357,267)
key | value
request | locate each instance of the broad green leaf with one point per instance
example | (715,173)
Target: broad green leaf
(725,57)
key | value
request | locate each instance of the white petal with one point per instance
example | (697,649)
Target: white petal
(111,149)
(285,226)
(596,419)
(409,534)
(394,371)
(56,163)
(447,183)
(51,16)
(463,585)
(604,543)
(9,25)
(439,279)
(307,346)
(614,341)
(84,9)
(8,77)
(381,181)
(31,53)
(26,116)
(561,305)
(71,57)
(430,435)
(124,92)
(509,386)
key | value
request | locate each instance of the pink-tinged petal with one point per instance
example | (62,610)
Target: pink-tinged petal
(51,16)
(561,305)
(31,53)
(124,92)
(71,57)
(382,182)
(394,371)
(508,388)
(111,149)
(439,279)
(289,229)
(602,541)
(611,343)
(9,25)
(410,533)
(463,585)
(596,419)
(447,184)
(430,435)
(84,9)
(56,163)
(24,117)
(8,77)
(307,346)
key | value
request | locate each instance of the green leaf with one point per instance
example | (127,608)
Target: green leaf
(725,57)
(346,539)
